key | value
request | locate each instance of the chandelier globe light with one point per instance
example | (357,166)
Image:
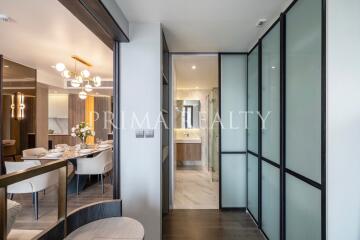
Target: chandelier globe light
(79,79)
(82,95)
(88,88)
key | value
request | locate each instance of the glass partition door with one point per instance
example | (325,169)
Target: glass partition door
(303,114)
(286,143)
(233,134)
(270,137)
(253,132)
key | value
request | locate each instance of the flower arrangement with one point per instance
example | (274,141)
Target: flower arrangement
(82,131)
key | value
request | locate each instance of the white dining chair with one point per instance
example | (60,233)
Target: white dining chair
(31,152)
(97,165)
(31,185)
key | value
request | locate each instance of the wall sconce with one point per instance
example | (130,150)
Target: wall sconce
(18,106)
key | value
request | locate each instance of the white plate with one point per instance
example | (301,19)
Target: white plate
(83,151)
(103,146)
(57,150)
(54,155)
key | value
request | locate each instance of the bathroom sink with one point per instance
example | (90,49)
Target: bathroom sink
(188,140)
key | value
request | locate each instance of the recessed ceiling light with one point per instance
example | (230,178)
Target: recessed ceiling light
(261,22)
(273,67)
(6,66)
(197,87)
(4,18)
(53,66)
(193,67)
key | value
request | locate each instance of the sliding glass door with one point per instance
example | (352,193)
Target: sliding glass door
(286,140)
(253,133)
(233,135)
(303,120)
(270,111)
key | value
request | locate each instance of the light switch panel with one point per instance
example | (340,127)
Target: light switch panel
(139,133)
(149,133)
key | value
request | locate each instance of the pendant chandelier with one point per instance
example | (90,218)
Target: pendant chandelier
(79,79)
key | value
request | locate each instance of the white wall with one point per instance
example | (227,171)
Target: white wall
(140,157)
(343,120)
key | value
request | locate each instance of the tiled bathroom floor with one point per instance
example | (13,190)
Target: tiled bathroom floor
(195,190)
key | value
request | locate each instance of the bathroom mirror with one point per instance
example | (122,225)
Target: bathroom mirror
(187,113)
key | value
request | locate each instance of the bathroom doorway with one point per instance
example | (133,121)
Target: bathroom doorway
(195,165)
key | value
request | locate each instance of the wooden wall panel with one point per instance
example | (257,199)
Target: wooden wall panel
(60,139)
(42,115)
(102,107)
(76,113)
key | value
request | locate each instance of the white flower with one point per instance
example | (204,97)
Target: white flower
(73,129)
(82,130)
(73,134)
(77,126)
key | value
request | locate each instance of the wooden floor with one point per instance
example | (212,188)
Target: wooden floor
(194,189)
(209,225)
(48,208)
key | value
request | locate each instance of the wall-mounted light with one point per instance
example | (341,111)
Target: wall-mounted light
(18,106)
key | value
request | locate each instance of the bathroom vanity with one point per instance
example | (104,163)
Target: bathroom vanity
(188,149)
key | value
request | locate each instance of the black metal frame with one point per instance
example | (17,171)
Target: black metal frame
(282,166)
(260,135)
(249,151)
(117,119)
(282,128)
(227,152)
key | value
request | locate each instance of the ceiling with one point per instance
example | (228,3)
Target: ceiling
(205,76)
(44,33)
(205,25)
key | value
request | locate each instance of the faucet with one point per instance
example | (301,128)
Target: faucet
(186,134)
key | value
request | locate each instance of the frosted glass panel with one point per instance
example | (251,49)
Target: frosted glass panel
(253,81)
(303,210)
(303,89)
(233,102)
(253,185)
(271,95)
(271,201)
(233,178)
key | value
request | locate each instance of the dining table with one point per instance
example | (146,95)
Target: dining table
(70,154)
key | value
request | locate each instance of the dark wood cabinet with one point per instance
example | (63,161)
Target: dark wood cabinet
(188,152)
